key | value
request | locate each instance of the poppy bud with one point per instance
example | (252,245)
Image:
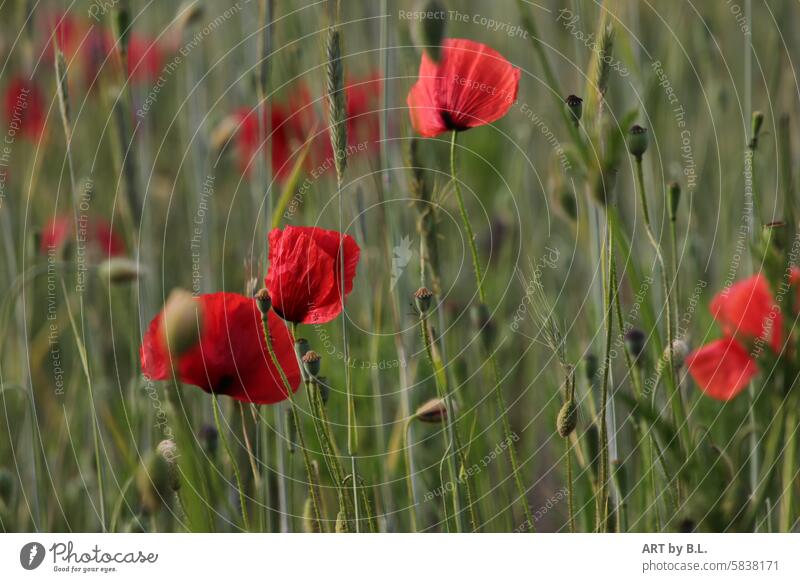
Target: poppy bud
(168,451)
(483,324)
(635,340)
(263,301)
(6,486)
(637,141)
(341,523)
(190,12)
(312,363)
(154,481)
(223,133)
(118,270)
(209,438)
(755,126)
(575,108)
(674,193)
(183,318)
(422,298)
(567,419)
(432,411)
(590,367)
(679,352)
(432,28)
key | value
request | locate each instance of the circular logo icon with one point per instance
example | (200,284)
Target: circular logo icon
(31,555)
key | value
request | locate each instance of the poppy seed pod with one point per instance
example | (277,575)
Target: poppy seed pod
(422,299)
(567,418)
(263,301)
(674,199)
(635,339)
(432,411)
(575,107)
(183,318)
(432,28)
(637,141)
(209,439)
(312,363)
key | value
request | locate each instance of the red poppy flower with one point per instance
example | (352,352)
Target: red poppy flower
(722,368)
(64,29)
(747,313)
(231,357)
(144,59)
(472,85)
(25,108)
(304,277)
(98,234)
(747,310)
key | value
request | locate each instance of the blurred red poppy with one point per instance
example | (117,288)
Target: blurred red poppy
(231,357)
(144,59)
(25,109)
(722,368)
(97,233)
(288,129)
(747,313)
(472,85)
(304,277)
(64,29)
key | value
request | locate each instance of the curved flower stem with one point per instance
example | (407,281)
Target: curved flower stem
(501,404)
(234,464)
(300,438)
(676,401)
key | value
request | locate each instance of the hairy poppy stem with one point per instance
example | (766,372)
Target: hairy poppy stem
(234,464)
(501,404)
(293,407)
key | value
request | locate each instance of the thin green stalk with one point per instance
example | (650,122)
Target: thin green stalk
(570,487)
(412,507)
(452,452)
(234,464)
(502,409)
(293,407)
(601,503)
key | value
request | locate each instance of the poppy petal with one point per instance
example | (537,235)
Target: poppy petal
(747,309)
(722,368)
(231,357)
